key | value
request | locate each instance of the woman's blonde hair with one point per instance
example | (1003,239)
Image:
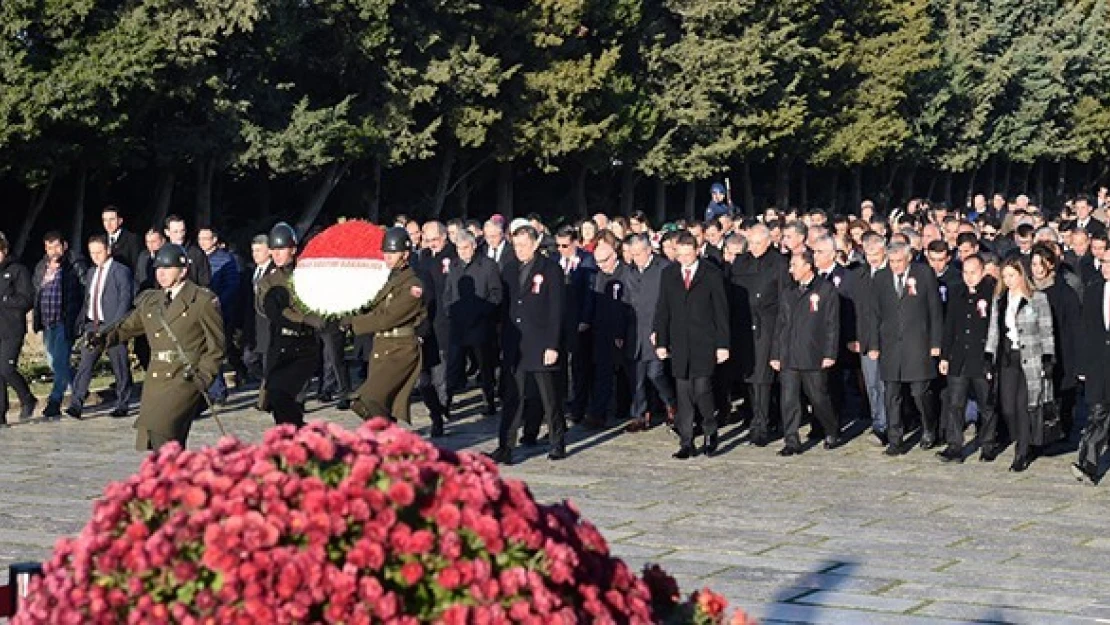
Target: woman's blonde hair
(1014,262)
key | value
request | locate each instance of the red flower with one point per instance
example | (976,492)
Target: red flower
(412,572)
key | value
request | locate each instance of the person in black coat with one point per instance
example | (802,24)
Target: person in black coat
(531,339)
(758,277)
(645,275)
(1093,370)
(961,359)
(579,270)
(124,244)
(806,344)
(59,296)
(1066,313)
(434,265)
(906,329)
(612,315)
(845,372)
(692,330)
(472,300)
(17,297)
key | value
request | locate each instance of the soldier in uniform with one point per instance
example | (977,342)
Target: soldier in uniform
(183,325)
(393,319)
(294,351)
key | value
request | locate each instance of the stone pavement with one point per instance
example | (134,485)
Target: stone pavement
(845,536)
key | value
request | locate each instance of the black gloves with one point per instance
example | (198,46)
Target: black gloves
(1048,363)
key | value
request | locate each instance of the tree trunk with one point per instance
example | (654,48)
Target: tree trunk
(948,187)
(444,181)
(505,189)
(691,196)
(746,182)
(163,195)
(262,191)
(782,183)
(857,187)
(464,197)
(1062,181)
(660,202)
(374,210)
(1041,166)
(311,210)
(932,186)
(970,195)
(581,206)
(993,179)
(1006,179)
(34,209)
(803,188)
(629,179)
(834,193)
(78,228)
(206,170)
(908,184)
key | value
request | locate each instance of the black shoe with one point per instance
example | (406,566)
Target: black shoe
(343,404)
(437,430)
(951,454)
(118,413)
(52,411)
(758,441)
(529,442)
(711,444)
(594,423)
(557,454)
(502,455)
(1087,474)
(893,450)
(832,442)
(74,412)
(1019,465)
(927,443)
(28,410)
(325,398)
(684,453)
(789,450)
(879,439)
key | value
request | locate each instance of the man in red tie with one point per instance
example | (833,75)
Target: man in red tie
(109,297)
(692,330)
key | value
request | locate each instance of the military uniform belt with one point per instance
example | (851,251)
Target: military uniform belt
(167,356)
(395,333)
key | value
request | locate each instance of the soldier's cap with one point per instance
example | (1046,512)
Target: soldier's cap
(717,188)
(282,236)
(171,255)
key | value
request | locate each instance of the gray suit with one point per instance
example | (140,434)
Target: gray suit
(116,300)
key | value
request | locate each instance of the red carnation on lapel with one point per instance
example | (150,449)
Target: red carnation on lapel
(342,269)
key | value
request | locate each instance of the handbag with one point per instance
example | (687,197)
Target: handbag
(1045,418)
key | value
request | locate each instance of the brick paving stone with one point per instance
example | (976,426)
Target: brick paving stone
(842,537)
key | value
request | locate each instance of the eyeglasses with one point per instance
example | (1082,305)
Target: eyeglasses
(564,246)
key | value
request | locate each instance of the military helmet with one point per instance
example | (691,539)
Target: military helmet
(171,255)
(396,239)
(282,236)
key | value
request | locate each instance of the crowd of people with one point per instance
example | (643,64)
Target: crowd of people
(926,321)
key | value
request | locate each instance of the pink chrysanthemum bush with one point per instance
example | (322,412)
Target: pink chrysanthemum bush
(323,525)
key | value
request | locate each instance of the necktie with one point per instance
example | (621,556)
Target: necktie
(900,285)
(687,277)
(257,274)
(96,297)
(169,298)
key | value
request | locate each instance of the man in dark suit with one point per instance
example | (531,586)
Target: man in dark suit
(579,270)
(472,301)
(1083,218)
(907,326)
(1094,372)
(844,374)
(644,279)
(806,344)
(124,244)
(759,276)
(1090,264)
(495,246)
(961,359)
(256,331)
(110,294)
(692,330)
(435,264)
(17,297)
(530,342)
(200,272)
(610,324)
